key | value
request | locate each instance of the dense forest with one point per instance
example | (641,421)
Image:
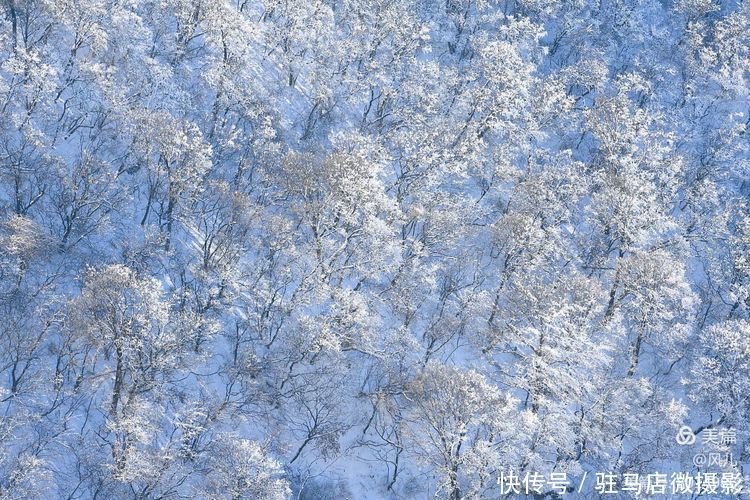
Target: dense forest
(373,249)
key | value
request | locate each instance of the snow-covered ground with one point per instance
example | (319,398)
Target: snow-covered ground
(374,249)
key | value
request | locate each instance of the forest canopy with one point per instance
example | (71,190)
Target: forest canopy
(324,249)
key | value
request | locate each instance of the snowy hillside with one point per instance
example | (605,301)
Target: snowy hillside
(374,249)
